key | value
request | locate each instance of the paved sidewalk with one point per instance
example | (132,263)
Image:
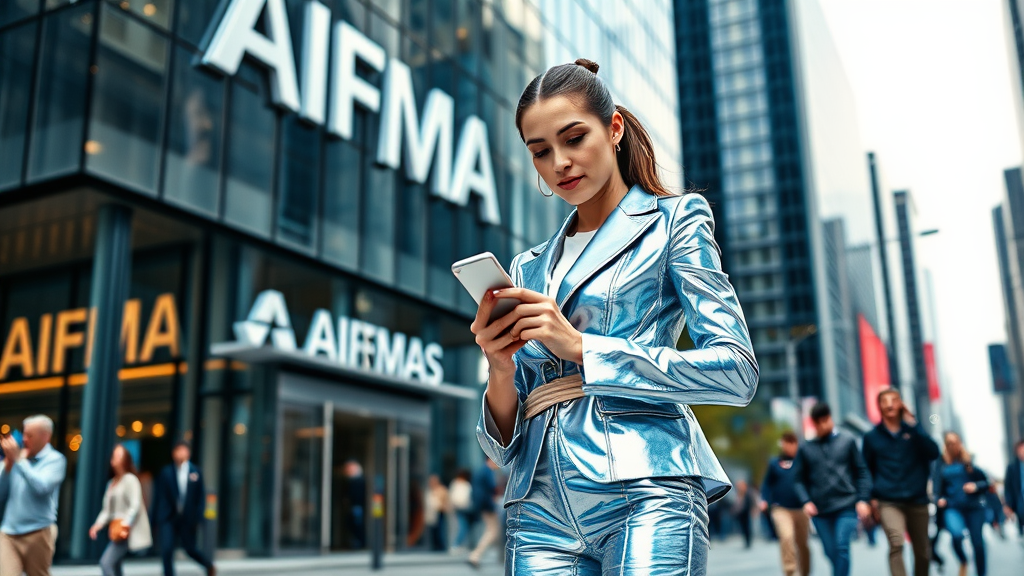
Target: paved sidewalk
(729,558)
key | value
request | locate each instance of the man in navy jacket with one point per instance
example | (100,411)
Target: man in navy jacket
(179,501)
(899,453)
(779,497)
(1013,487)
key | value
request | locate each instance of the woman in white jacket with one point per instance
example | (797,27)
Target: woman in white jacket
(123,502)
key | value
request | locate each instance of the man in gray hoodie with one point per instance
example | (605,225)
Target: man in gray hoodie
(834,486)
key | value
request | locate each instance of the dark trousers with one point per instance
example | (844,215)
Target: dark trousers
(973,521)
(174,532)
(836,530)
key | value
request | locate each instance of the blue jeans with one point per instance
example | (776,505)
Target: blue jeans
(972,520)
(836,529)
(569,524)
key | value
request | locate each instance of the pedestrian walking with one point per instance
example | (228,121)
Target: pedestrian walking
(485,484)
(960,489)
(586,394)
(460,495)
(780,499)
(179,503)
(742,509)
(1013,488)
(834,486)
(435,512)
(899,454)
(30,480)
(123,512)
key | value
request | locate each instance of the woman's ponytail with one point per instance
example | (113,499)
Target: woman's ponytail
(636,159)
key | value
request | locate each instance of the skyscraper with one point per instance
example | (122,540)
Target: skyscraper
(1008,225)
(769,134)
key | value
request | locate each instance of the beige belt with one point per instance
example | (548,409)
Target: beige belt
(554,392)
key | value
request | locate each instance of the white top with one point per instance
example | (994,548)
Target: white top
(182,484)
(571,250)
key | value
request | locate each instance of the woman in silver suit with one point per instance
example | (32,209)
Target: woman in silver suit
(587,396)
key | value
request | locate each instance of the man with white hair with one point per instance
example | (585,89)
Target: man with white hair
(30,480)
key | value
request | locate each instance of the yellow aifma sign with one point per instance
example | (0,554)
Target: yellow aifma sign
(46,353)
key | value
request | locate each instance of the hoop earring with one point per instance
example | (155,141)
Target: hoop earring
(542,191)
(618,148)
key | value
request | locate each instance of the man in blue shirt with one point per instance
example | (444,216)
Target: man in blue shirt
(899,454)
(30,480)
(778,493)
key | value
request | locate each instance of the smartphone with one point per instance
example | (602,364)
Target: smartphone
(481,273)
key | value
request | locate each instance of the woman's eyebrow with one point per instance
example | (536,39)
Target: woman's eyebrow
(560,132)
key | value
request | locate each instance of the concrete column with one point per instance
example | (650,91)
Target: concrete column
(111,277)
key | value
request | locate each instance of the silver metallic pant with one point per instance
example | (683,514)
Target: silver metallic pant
(569,524)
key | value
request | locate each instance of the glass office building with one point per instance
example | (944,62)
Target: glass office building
(274,177)
(769,130)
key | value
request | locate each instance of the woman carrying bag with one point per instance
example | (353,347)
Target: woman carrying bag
(123,513)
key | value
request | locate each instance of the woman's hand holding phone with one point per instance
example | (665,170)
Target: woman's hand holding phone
(537,317)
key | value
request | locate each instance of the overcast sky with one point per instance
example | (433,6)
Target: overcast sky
(931,80)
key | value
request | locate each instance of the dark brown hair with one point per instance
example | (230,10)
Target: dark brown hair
(789,436)
(579,82)
(127,459)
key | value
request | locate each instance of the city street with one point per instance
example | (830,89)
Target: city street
(1006,558)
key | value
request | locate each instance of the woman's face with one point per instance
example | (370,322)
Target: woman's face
(117,459)
(953,444)
(573,150)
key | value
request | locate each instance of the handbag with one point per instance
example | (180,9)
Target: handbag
(119,530)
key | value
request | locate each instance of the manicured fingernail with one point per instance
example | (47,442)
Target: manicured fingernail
(495,292)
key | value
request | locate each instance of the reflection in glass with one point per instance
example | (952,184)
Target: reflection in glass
(17,48)
(302,437)
(11,10)
(299,184)
(60,109)
(378,248)
(126,127)
(194,18)
(250,161)
(342,185)
(153,11)
(193,146)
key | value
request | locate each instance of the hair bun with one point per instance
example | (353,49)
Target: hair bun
(588,64)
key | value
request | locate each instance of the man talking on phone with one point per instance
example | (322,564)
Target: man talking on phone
(30,480)
(898,453)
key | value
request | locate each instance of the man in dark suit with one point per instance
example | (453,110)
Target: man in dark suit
(1013,488)
(179,500)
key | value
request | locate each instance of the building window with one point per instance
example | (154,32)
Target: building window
(126,128)
(195,133)
(57,126)
(17,51)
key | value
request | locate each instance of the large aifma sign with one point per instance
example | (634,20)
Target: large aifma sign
(428,140)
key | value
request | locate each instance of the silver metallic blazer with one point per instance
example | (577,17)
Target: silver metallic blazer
(651,268)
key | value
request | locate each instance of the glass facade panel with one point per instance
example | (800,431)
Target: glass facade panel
(194,18)
(57,132)
(156,12)
(126,128)
(298,200)
(378,209)
(250,160)
(12,10)
(17,46)
(195,132)
(342,184)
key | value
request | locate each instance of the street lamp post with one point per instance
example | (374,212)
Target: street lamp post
(797,334)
